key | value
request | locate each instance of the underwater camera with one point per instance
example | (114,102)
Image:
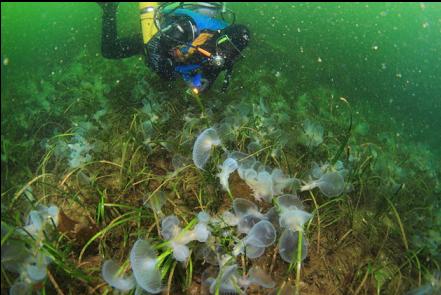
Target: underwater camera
(217,60)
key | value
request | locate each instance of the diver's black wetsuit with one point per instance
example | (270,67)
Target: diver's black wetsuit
(112,46)
(115,48)
(158,50)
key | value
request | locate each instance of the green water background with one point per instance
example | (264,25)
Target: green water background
(387,55)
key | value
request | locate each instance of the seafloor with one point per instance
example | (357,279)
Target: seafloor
(100,139)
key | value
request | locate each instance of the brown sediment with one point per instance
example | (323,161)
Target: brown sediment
(80,231)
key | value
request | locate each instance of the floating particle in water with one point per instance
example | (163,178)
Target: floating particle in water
(425,25)
(6,61)
(375,47)
(319,60)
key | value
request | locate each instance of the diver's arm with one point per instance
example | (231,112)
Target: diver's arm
(112,46)
(212,73)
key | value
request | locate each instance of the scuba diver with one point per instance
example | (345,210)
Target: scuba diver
(191,40)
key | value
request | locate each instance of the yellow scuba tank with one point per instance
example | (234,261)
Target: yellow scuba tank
(147,13)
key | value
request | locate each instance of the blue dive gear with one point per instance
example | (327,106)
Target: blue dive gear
(190,73)
(192,77)
(202,22)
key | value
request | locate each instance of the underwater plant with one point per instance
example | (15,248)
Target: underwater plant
(264,182)
(266,185)
(248,215)
(146,275)
(229,166)
(79,151)
(170,227)
(25,254)
(317,170)
(331,184)
(432,287)
(179,238)
(244,161)
(203,145)
(143,259)
(260,236)
(38,220)
(288,246)
(292,218)
(111,273)
(149,131)
(312,135)
(229,281)
(156,202)
(261,184)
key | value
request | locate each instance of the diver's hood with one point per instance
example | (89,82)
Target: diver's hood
(239,36)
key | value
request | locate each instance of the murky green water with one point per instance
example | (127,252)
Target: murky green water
(386,54)
(304,61)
